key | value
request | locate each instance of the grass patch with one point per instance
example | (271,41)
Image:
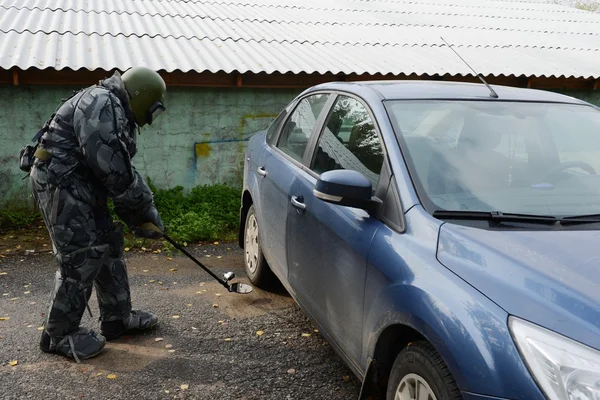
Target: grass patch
(206,213)
(11,218)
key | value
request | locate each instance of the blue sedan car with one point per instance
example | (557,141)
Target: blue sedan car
(444,237)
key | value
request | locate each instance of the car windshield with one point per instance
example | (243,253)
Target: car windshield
(512,157)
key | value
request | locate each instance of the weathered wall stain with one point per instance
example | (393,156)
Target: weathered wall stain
(202,149)
(220,121)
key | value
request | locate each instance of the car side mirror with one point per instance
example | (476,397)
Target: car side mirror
(348,188)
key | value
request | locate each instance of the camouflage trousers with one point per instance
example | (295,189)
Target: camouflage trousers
(88,246)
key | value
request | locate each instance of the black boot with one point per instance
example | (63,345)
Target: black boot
(80,344)
(136,321)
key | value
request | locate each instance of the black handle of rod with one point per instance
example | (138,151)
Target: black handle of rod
(191,257)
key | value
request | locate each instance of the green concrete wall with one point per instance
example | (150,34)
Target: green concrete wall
(199,140)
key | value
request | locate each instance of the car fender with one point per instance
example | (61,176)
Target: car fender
(468,330)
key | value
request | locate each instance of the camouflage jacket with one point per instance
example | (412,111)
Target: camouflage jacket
(92,141)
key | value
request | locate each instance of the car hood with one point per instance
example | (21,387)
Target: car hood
(551,278)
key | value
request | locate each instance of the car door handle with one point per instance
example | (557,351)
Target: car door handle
(297,202)
(262,171)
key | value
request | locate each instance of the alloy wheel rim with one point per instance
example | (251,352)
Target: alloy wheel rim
(414,387)
(252,245)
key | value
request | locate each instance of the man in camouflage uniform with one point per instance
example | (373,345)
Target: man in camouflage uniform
(83,158)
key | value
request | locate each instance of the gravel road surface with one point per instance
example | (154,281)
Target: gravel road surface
(210,344)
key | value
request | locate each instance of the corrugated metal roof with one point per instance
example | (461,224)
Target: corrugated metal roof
(497,37)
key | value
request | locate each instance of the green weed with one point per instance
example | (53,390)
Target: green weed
(206,213)
(16,218)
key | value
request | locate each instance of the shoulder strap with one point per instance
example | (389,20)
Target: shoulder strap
(44,128)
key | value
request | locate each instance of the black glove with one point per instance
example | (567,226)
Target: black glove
(148,230)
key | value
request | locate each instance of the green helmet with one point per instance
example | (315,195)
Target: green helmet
(146,91)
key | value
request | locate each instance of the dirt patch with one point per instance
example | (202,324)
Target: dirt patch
(129,355)
(238,306)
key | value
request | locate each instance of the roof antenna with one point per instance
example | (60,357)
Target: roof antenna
(492,92)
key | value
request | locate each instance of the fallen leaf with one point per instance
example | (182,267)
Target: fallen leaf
(215,305)
(151,281)
(32,302)
(3,273)
(126,248)
(166,391)
(259,333)
(199,292)
(228,339)
(316,331)
(291,371)
(346,378)
(184,244)
(306,334)
(219,256)
(41,328)
(4,318)
(144,249)
(13,363)
(14,298)
(30,326)
(216,243)
(159,282)
(5,294)
(221,322)
(172,351)
(208,256)
(170,258)
(111,376)
(27,292)
(168,346)
(189,305)
(202,283)
(194,328)
(100,374)
(145,270)
(173,269)
(175,316)
(185,387)
(157,251)
(158,339)
(217,294)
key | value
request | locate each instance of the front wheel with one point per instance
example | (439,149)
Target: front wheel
(419,373)
(257,269)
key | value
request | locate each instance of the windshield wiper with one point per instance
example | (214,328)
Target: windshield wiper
(581,219)
(497,216)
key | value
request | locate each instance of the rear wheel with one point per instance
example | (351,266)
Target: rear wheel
(257,269)
(419,373)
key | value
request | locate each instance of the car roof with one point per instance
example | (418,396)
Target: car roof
(415,89)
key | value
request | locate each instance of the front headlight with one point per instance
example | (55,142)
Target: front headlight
(564,369)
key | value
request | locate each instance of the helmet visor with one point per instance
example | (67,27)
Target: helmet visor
(154,111)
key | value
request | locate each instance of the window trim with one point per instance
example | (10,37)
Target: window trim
(394,192)
(294,105)
(284,114)
(313,144)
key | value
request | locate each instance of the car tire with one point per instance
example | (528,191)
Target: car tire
(420,366)
(258,271)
